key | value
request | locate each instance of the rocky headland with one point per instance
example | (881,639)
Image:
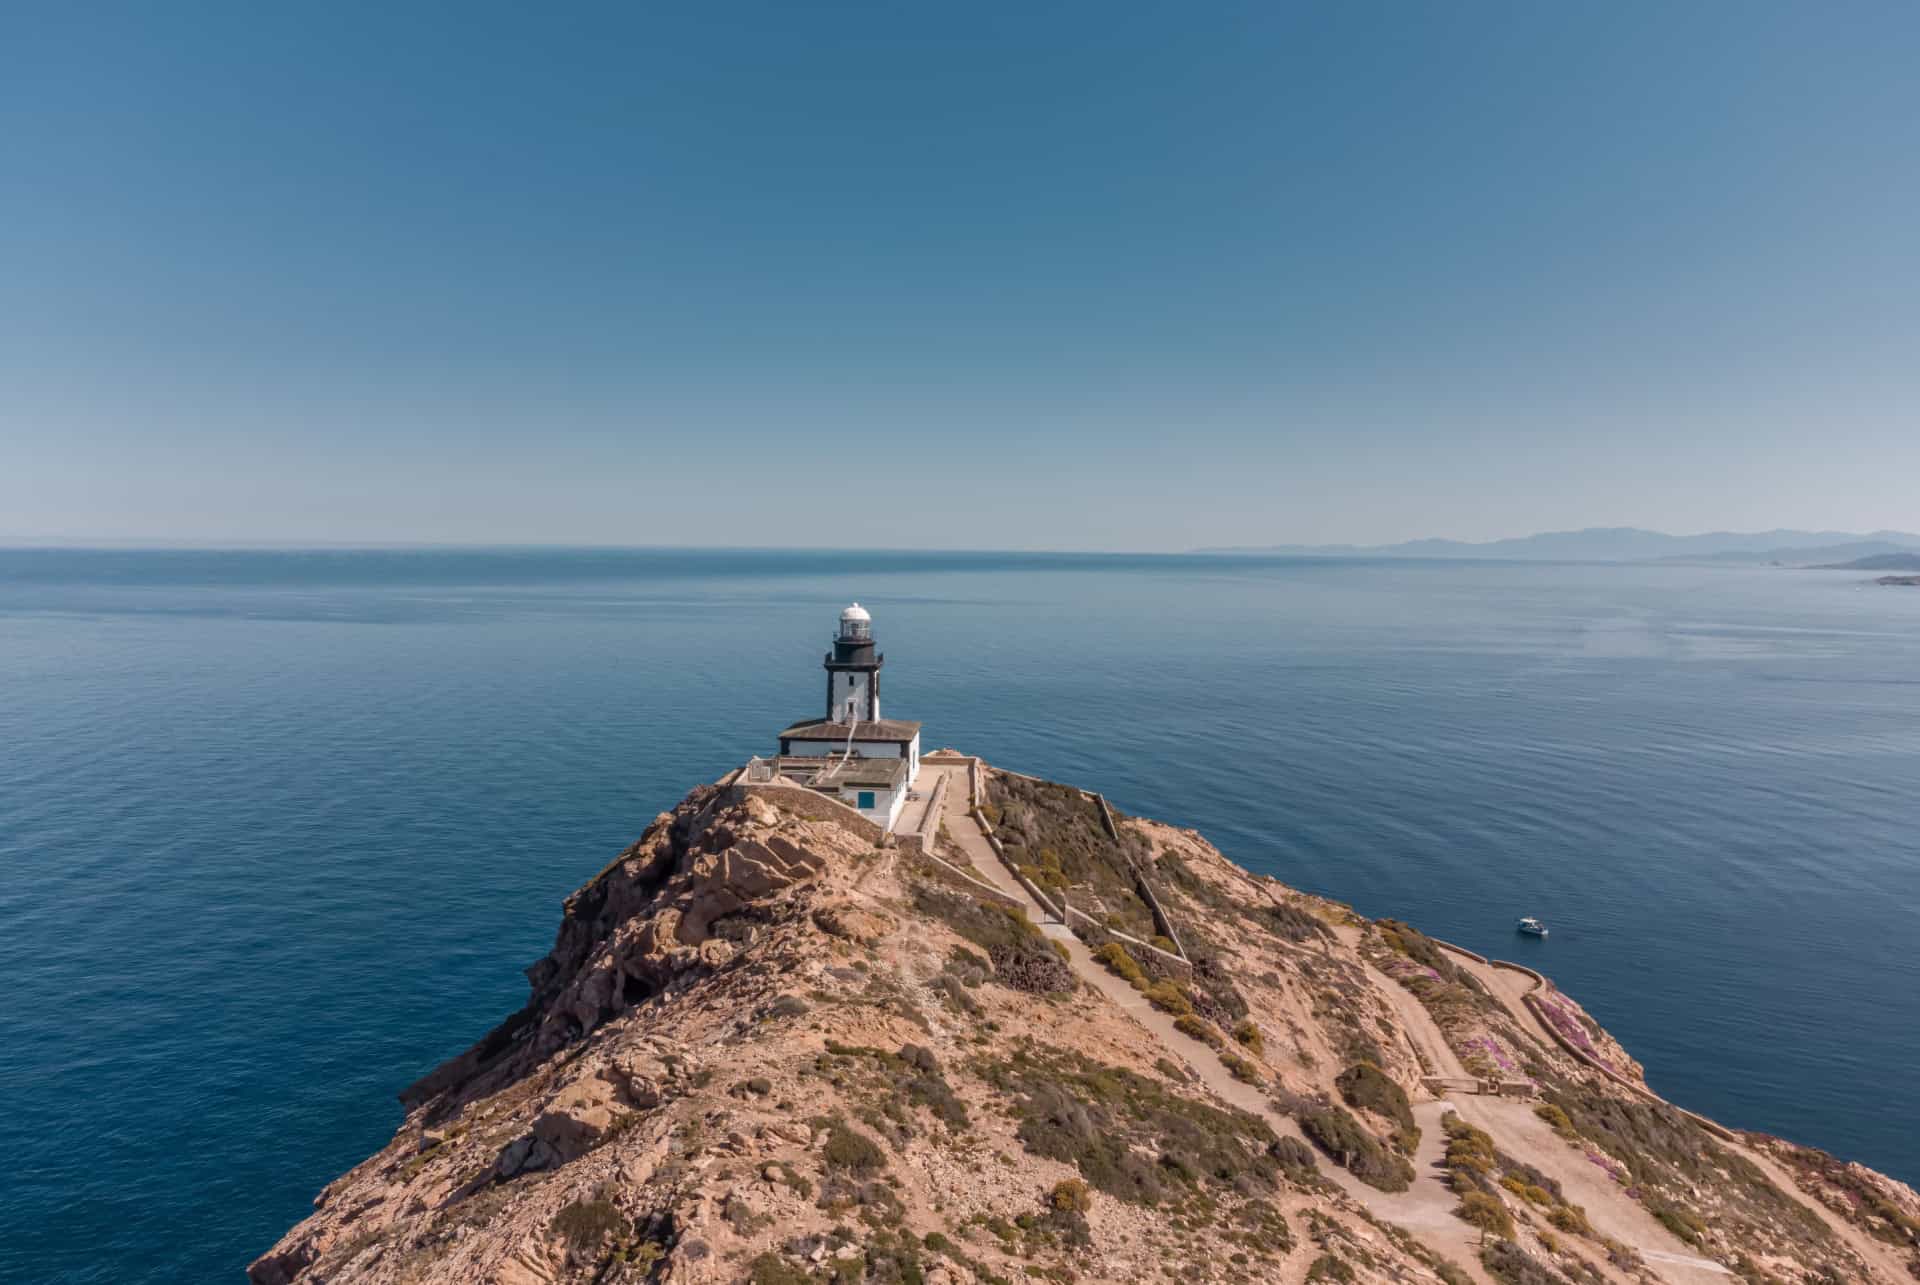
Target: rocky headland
(768,1048)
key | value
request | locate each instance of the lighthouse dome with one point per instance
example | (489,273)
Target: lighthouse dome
(855,622)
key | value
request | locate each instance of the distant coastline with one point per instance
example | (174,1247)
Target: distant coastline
(1880,562)
(1631,544)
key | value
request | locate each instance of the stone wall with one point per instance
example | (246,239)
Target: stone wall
(1143,885)
(1537,1010)
(1063,911)
(811,804)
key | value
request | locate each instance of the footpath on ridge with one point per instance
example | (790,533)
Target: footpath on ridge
(1425,1209)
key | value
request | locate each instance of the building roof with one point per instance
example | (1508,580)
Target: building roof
(878,729)
(818,772)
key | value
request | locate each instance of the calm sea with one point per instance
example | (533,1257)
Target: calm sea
(278,830)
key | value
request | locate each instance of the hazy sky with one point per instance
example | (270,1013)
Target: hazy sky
(1100,275)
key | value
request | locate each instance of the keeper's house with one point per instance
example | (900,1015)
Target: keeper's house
(867,762)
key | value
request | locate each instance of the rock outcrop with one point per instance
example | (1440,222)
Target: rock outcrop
(763,1049)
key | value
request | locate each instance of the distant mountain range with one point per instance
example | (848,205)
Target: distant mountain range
(1877,562)
(1627,544)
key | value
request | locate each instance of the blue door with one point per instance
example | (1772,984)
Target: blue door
(866,800)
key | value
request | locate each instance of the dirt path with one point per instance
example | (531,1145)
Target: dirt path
(1422,1031)
(1509,987)
(1524,1135)
(1426,1209)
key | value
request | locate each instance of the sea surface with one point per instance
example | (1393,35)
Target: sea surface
(278,830)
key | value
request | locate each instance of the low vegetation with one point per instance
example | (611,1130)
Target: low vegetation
(1117,961)
(586,1225)
(1022,958)
(1449,992)
(1512,1265)
(1487,1212)
(851,1151)
(1667,1158)
(1329,1267)
(1366,1087)
(1055,834)
(1348,1143)
(912,1077)
(1128,1135)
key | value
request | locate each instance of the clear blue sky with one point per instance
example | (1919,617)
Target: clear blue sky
(1086,275)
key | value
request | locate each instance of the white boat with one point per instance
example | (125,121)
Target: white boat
(1531,927)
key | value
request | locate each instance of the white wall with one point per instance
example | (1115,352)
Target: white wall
(886,803)
(850,697)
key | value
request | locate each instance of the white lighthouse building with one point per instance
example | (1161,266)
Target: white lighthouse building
(866,761)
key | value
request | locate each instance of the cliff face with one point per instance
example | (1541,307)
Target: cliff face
(764,1049)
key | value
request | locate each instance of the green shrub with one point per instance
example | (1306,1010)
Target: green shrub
(1296,1161)
(1249,1036)
(1070,1195)
(1241,1069)
(1119,962)
(771,1269)
(1335,1131)
(1295,923)
(1367,1087)
(1168,997)
(1487,1212)
(1200,1029)
(1328,1268)
(1682,1222)
(1022,958)
(1130,1136)
(586,1225)
(1556,1119)
(1467,1147)
(1512,1265)
(852,1151)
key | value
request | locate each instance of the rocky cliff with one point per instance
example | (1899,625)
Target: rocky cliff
(766,1049)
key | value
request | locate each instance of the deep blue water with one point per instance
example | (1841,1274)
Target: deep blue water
(278,830)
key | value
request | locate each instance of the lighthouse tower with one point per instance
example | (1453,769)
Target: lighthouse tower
(868,762)
(853,670)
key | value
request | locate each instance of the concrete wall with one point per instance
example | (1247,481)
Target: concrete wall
(927,837)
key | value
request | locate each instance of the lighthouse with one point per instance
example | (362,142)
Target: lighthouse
(853,670)
(868,762)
